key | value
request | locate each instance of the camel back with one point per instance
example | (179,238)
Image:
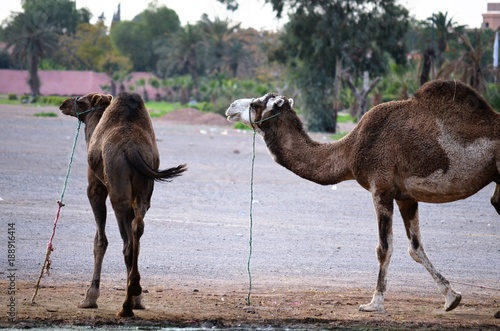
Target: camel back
(129,107)
(457,95)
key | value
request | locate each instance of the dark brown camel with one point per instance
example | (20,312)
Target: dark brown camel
(123,164)
(440,146)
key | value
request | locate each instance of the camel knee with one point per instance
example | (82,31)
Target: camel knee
(415,249)
(100,243)
(384,253)
(137,227)
(127,254)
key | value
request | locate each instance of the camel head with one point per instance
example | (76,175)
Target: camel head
(256,112)
(86,104)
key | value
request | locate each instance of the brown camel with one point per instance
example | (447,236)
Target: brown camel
(440,146)
(123,163)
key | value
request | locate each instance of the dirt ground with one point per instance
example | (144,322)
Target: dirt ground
(313,260)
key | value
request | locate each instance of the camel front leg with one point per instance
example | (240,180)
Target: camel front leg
(384,209)
(97,194)
(409,213)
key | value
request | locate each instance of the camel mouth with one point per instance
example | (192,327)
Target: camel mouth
(233,117)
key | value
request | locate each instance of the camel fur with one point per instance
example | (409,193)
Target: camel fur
(123,164)
(441,145)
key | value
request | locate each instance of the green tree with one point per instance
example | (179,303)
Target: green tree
(139,38)
(92,44)
(117,67)
(219,36)
(62,15)
(475,57)
(360,34)
(443,29)
(182,54)
(155,83)
(141,83)
(31,39)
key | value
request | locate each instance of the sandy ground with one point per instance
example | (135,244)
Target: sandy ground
(313,259)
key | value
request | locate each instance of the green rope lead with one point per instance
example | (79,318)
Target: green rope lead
(250,240)
(46,263)
(70,162)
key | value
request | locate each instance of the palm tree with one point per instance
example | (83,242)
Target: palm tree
(468,67)
(181,54)
(241,50)
(31,39)
(219,35)
(444,28)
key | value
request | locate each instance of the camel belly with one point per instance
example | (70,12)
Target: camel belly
(472,166)
(459,182)
(443,189)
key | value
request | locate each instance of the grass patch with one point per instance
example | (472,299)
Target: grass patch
(338,135)
(46,114)
(160,108)
(241,126)
(5,101)
(344,118)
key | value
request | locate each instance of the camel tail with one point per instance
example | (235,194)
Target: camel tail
(138,163)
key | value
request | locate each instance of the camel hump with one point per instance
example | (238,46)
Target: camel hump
(453,91)
(132,104)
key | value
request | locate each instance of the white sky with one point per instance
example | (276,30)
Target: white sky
(254,13)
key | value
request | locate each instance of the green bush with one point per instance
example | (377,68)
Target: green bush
(51,100)
(203,106)
(12,96)
(46,114)
(492,95)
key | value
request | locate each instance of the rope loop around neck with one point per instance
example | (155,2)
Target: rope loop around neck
(83,112)
(261,120)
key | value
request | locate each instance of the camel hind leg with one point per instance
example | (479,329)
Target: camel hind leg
(409,213)
(97,194)
(134,289)
(132,229)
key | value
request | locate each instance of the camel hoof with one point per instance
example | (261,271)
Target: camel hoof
(376,305)
(87,305)
(452,300)
(372,308)
(137,303)
(125,313)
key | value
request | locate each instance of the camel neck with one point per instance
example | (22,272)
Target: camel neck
(91,121)
(291,147)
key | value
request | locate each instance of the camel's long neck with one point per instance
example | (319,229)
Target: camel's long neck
(91,121)
(291,147)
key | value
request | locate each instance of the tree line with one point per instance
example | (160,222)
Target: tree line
(330,55)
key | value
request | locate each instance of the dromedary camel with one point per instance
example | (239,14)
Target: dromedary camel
(123,163)
(441,145)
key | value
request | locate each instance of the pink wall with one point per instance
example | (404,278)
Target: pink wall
(65,83)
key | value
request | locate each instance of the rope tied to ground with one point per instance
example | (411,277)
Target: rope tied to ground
(250,239)
(50,247)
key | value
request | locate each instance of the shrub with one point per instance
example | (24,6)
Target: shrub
(492,95)
(52,100)
(12,96)
(46,114)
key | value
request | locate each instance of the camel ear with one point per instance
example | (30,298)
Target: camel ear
(279,102)
(290,101)
(101,99)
